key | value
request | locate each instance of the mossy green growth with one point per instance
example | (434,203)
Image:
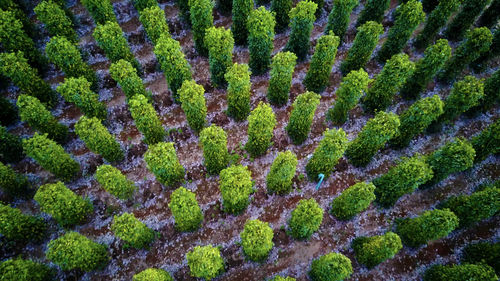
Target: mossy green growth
(23,270)
(472,272)
(55,20)
(154,21)
(260,25)
(302,116)
(373,11)
(113,181)
(205,262)
(455,156)
(12,183)
(238,91)
(306,219)
(257,240)
(98,139)
(220,43)
(200,12)
(185,209)
(487,142)
(241,11)
(235,184)
(126,76)
(100,10)
(162,161)
(261,123)
(353,200)
(435,21)
(327,154)
(153,274)
(302,18)
(213,141)
(322,61)
(146,119)
(280,176)
(132,231)
(192,97)
(16,226)
(78,91)
(282,67)
(331,267)
(371,251)
(340,16)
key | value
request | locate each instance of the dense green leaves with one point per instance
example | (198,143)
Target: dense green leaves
(469,11)
(193,104)
(280,176)
(306,219)
(322,61)
(12,183)
(24,270)
(55,20)
(279,278)
(282,67)
(261,123)
(331,267)
(260,25)
(370,251)
(146,119)
(8,112)
(338,20)
(373,11)
(487,142)
(257,240)
(16,226)
(238,91)
(483,252)
(435,21)
(201,18)
(140,5)
(77,91)
(154,21)
(220,43)
(281,9)
(241,11)
(163,162)
(301,22)
(11,146)
(100,10)
(470,272)
(213,141)
(205,262)
(114,182)
(132,231)
(235,184)
(302,116)
(327,154)
(455,156)
(185,209)
(98,139)
(353,200)
(153,274)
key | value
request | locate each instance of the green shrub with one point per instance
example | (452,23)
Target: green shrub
(430,225)
(185,209)
(491,92)
(201,18)
(238,91)
(435,21)
(100,10)
(24,270)
(213,141)
(279,278)
(153,274)
(470,272)
(327,154)
(435,56)
(487,142)
(16,226)
(362,48)
(371,251)
(281,9)
(318,75)
(261,123)
(140,5)
(340,16)
(125,74)
(32,111)
(154,21)
(98,139)
(490,16)
(373,11)
(132,231)
(12,183)
(193,104)
(51,156)
(257,240)
(77,91)
(353,200)
(331,267)
(75,251)
(146,119)
(480,64)
(429,5)
(241,11)
(19,9)
(403,178)
(388,82)
(163,162)
(302,116)
(469,11)
(483,253)
(372,138)
(114,182)
(306,219)
(280,176)
(455,156)
(282,67)
(224,6)
(11,147)
(260,26)
(220,43)
(8,112)
(301,23)
(173,63)
(184,10)
(205,262)
(235,184)
(55,20)
(476,42)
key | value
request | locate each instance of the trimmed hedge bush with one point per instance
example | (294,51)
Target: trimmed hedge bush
(331,267)
(318,75)
(146,119)
(490,16)
(340,16)
(55,20)
(455,156)
(373,11)
(12,183)
(16,226)
(213,141)
(126,76)
(11,146)
(260,39)
(238,91)
(470,272)
(257,240)
(153,274)
(201,18)
(8,112)
(306,219)
(327,154)
(483,252)
(241,11)
(302,116)
(185,209)
(480,64)
(100,10)
(430,225)
(24,270)
(435,21)
(279,278)
(371,251)
(220,43)
(491,91)
(77,91)
(281,9)
(192,97)
(261,123)
(51,156)
(140,5)
(132,231)
(98,139)
(164,164)
(280,176)
(487,142)
(469,11)
(372,138)
(235,183)
(282,67)
(205,262)
(113,181)
(75,251)
(353,200)
(154,22)
(301,23)
(19,10)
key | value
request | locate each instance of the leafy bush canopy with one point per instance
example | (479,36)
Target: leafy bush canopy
(318,75)
(235,183)
(261,25)
(220,43)
(185,209)
(469,11)
(302,18)
(140,5)
(373,11)
(55,20)
(330,149)
(241,11)
(213,140)
(353,200)
(192,97)
(12,183)
(98,139)
(238,91)
(11,146)
(257,240)
(280,176)
(261,123)
(331,267)
(302,116)
(483,252)
(146,119)
(472,272)
(201,18)
(114,182)
(125,74)
(306,219)
(132,231)
(487,142)
(340,16)
(77,91)
(164,164)
(436,19)
(282,67)
(16,226)
(100,10)
(281,9)
(455,156)
(371,251)
(24,270)
(153,274)
(154,21)
(205,262)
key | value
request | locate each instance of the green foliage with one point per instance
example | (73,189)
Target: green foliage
(100,10)
(132,231)
(490,16)
(431,225)
(388,82)
(260,26)
(241,11)
(12,183)
(280,176)
(114,182)
(173,63)
(301,22)
(281,8)
(220,43)
(261,123)
(51,156)
(435,56)
(464,95)
(193,104)
(75,251)
(469,11)
(435,21)
(362,48)
(371,251)
(205,262)
(140,5)
(238,91)
(322,61)
(153,274)
(8,112)
(306,219)
(491,91)
(373,11)
(282,67)
(224,6)
(331,267)
(372,138)
(24,270)
(487,142)
(455,156)
(98,139)
(77,91)
(163,162)
(11,146)
(16,226)
(185,209)
(213,141)
(327,154)
(257,240)
(480,64)
(429,5)
(19,9)
(470,272)
(279,278)
(201,18)
(235,184)
(146,119)
(154,21)
(483,253)
(353,200)
(55,20)
(302,116)
(340,16)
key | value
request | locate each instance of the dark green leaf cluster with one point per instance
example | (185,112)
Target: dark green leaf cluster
(483,253)
(302,116)
(213,141)
(371,251)
(114,182)
(238,91)
(338,20)
(301,23)
(281,8)
(185,209)
(469,11)
(306,219)
(8,112)
(98,139)
(163,162)
(153,274)
(19,9)
(373,11)
(280,176)
(326,156)
(201,19)
(192,97)
(464,95)
(261,123)
(205,262)
(282,67)
(279,278)
(16,226)
(154,21)
(11,146)
(125,74)
(140,5)
(241,11)
(77,91)
(480,64)
(25,270)
(12,183)
(487,142)
(353,200)
(437,19)
(146,119)
(235,184)
(55,20)
(429,5)
(491,91)
(490,16)
(322,61)
(260,26)
(132,231)
(224,6)
(257,240)
(331,267)
(470,272)
(455,156)
(184,10)
(220,43)
(100,10)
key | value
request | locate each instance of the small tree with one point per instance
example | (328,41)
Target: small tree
(55,20)
(482,252)
(435,21)
(340,16)
(77,91)
(201,18)
(480,64)
(306,219)
(371,251)
(487,142)
(185,209)
(491,94)
(260,39)
(192,97)
(301,22)
(100,10)
(472,272)
(327,154)
(362,48)
(19,269)
(372,138)
(205,262)
(154,22)
(153,274)
(114,182)
(490,16)
(302,116)
(455,156)
(16,226)
(11,146)
(98,139)
(125,74)
(146,119)
(280,176)
(373,11)
(241,11)
(282,67)
(257,240)
(140,5)
(163,162)
(75,251)
(213,141)
(12,183)
(322,61)
(281,9)
(465,18)
(132,231)
(220,43)
(331,267)
(353,200)
(261,123)
(238,91)
(235,184)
